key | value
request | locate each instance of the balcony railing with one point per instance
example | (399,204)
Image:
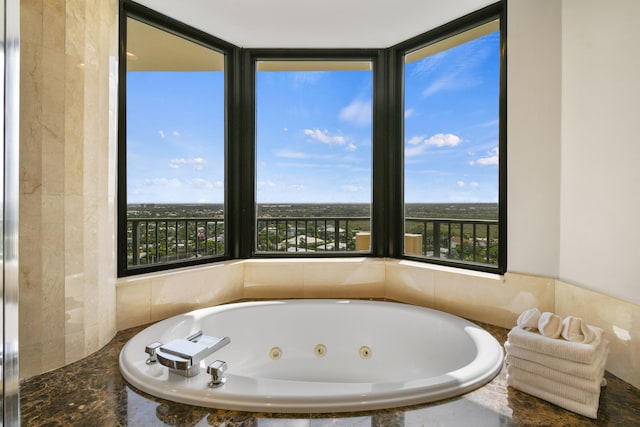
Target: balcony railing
(466,240)
(153,241)
(310,234)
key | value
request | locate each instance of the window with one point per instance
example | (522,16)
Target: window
(451,148)
(313,156)
(172,141)
(233,153)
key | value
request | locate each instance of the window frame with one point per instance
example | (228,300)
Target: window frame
(496,11)
(252,58)
(387,198)
(131,10)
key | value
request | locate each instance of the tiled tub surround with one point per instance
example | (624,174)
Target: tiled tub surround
(483,297)
(91,392)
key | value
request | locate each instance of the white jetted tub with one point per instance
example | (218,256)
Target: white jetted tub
(313,356)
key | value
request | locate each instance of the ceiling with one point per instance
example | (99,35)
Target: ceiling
(315,23)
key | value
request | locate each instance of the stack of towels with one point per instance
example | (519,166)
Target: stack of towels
(558,360)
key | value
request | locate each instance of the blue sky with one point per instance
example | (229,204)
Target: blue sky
(451,124)
(314,133)
(175,137)
(314,136)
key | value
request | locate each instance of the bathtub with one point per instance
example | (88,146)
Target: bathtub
(320,356)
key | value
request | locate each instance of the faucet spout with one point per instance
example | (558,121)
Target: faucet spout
(183,356)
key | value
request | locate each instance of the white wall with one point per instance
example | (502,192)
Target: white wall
(600,197)
(533,133)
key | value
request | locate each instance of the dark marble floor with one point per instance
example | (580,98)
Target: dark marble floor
(91,392)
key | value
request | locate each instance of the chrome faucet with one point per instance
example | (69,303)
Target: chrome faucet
(183,356)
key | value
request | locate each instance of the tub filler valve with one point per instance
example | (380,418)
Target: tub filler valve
(216,370)
(151,351)
(183,356)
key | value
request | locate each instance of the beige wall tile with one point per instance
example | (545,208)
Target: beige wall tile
(273,279)
(67,209)
(30,359)
(156,296)
(53,355)
(75,27)
(533,291)
(179,292)
(410,282)
(53,26)
(619,319)
(74,312)
(133,303)
(30,313)
(91,341)
(489,298)
(31,21)
(348,278)
(74,345)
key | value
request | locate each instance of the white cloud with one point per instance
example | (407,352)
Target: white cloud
(175,133)
(161,133)
(324,137)
(418,144)
(447,82)
(358,112)
(288,154)
(175,163)
(297,187)
(458,72)
(491,159)
(460,183)
(408,113)
(197,163)
(416,140)
(475,184)
(444,140)
(350,147)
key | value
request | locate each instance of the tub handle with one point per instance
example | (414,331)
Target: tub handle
(216,370)
(150,349)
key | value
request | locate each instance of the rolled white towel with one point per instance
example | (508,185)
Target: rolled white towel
(529,319)
(550,325)
(587,384)
(589,409)
(582,370)
(569,350)
(576,330)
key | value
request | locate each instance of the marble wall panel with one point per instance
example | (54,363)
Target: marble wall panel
(490,298)
(133,303)
(178,292)
(619,319)
(344,278)
(273,279)
(67,304)
(410,282)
